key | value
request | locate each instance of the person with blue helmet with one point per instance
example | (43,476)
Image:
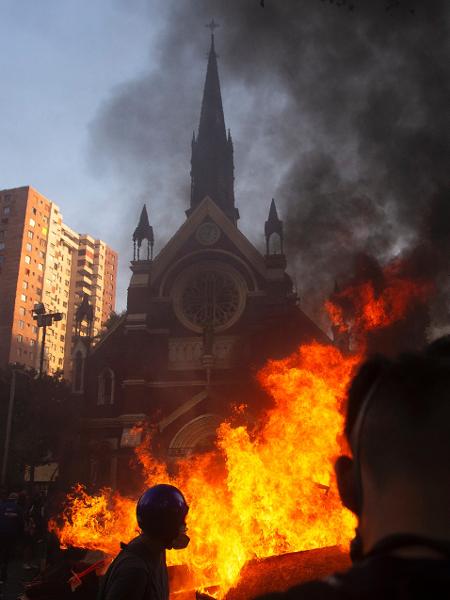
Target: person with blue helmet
(139,571)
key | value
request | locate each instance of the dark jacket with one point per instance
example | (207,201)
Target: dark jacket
(138,572)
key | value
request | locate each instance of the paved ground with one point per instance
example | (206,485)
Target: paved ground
(14,583)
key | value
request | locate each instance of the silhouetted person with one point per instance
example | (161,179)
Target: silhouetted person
(139,571)
(11,528)
(397,483)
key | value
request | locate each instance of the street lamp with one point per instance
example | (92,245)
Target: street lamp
(44,320)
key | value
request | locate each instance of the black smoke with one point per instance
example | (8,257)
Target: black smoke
(338,109)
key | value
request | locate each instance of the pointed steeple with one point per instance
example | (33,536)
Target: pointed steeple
(273,225)
(144,231)
(212,165)
(212,120)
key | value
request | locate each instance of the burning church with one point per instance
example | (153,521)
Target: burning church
(215,381)
(202,318)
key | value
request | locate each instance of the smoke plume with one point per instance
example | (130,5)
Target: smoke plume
(339,110)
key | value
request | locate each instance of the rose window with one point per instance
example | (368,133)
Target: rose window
(210,297)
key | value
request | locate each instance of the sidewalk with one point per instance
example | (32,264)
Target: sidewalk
(17,575)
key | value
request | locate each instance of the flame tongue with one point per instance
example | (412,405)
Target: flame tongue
(364,307)
(262,493)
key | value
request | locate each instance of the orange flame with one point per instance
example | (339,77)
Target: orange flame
(370,310)
(261,493)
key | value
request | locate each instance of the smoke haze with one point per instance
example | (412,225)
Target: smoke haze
(339,110)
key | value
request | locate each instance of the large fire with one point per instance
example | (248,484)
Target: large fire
(264,491)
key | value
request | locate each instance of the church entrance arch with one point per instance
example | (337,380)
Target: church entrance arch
(196,436)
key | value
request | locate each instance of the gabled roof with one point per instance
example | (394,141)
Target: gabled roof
(207,208)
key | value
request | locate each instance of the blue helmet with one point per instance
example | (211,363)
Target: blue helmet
(161,511)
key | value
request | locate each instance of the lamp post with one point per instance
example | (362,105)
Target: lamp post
(44,320)
(12,397)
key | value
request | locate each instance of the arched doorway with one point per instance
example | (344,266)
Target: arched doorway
(196,436)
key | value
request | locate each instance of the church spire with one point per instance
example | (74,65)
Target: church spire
(143,231)
(272,226)
(212,165)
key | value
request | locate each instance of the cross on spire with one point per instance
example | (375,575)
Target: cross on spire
(212,25)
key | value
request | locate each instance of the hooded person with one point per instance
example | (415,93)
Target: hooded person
(139,571)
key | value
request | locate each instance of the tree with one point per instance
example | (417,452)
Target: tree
(110,322)
(45,420)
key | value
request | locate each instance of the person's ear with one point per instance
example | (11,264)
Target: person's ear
(345,476)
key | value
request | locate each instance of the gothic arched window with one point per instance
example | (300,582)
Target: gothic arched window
(105,393)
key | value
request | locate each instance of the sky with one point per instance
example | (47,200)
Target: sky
(336,109)
(58,61)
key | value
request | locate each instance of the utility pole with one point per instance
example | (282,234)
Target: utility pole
(12,398)
(44,320)
(12,394)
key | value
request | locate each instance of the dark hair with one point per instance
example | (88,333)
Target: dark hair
(407,418)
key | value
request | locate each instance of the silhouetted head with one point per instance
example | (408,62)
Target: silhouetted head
(161,514)
(398,428)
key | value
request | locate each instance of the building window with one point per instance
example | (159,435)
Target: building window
(24,285)
(20,338)
(27,259)
(29,247)
(6,210)
(22,311)
(32,222)
(2,245)
(32,342)
(40,267)
(23,297)
(105,393)
(30,234)
(21,324)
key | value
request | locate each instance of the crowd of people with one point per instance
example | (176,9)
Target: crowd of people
(395,479)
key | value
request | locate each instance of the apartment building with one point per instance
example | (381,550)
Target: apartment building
(93,273)
(40,262)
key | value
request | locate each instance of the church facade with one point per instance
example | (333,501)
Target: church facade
(202,317)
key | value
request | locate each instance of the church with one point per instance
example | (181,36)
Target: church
(202,317)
